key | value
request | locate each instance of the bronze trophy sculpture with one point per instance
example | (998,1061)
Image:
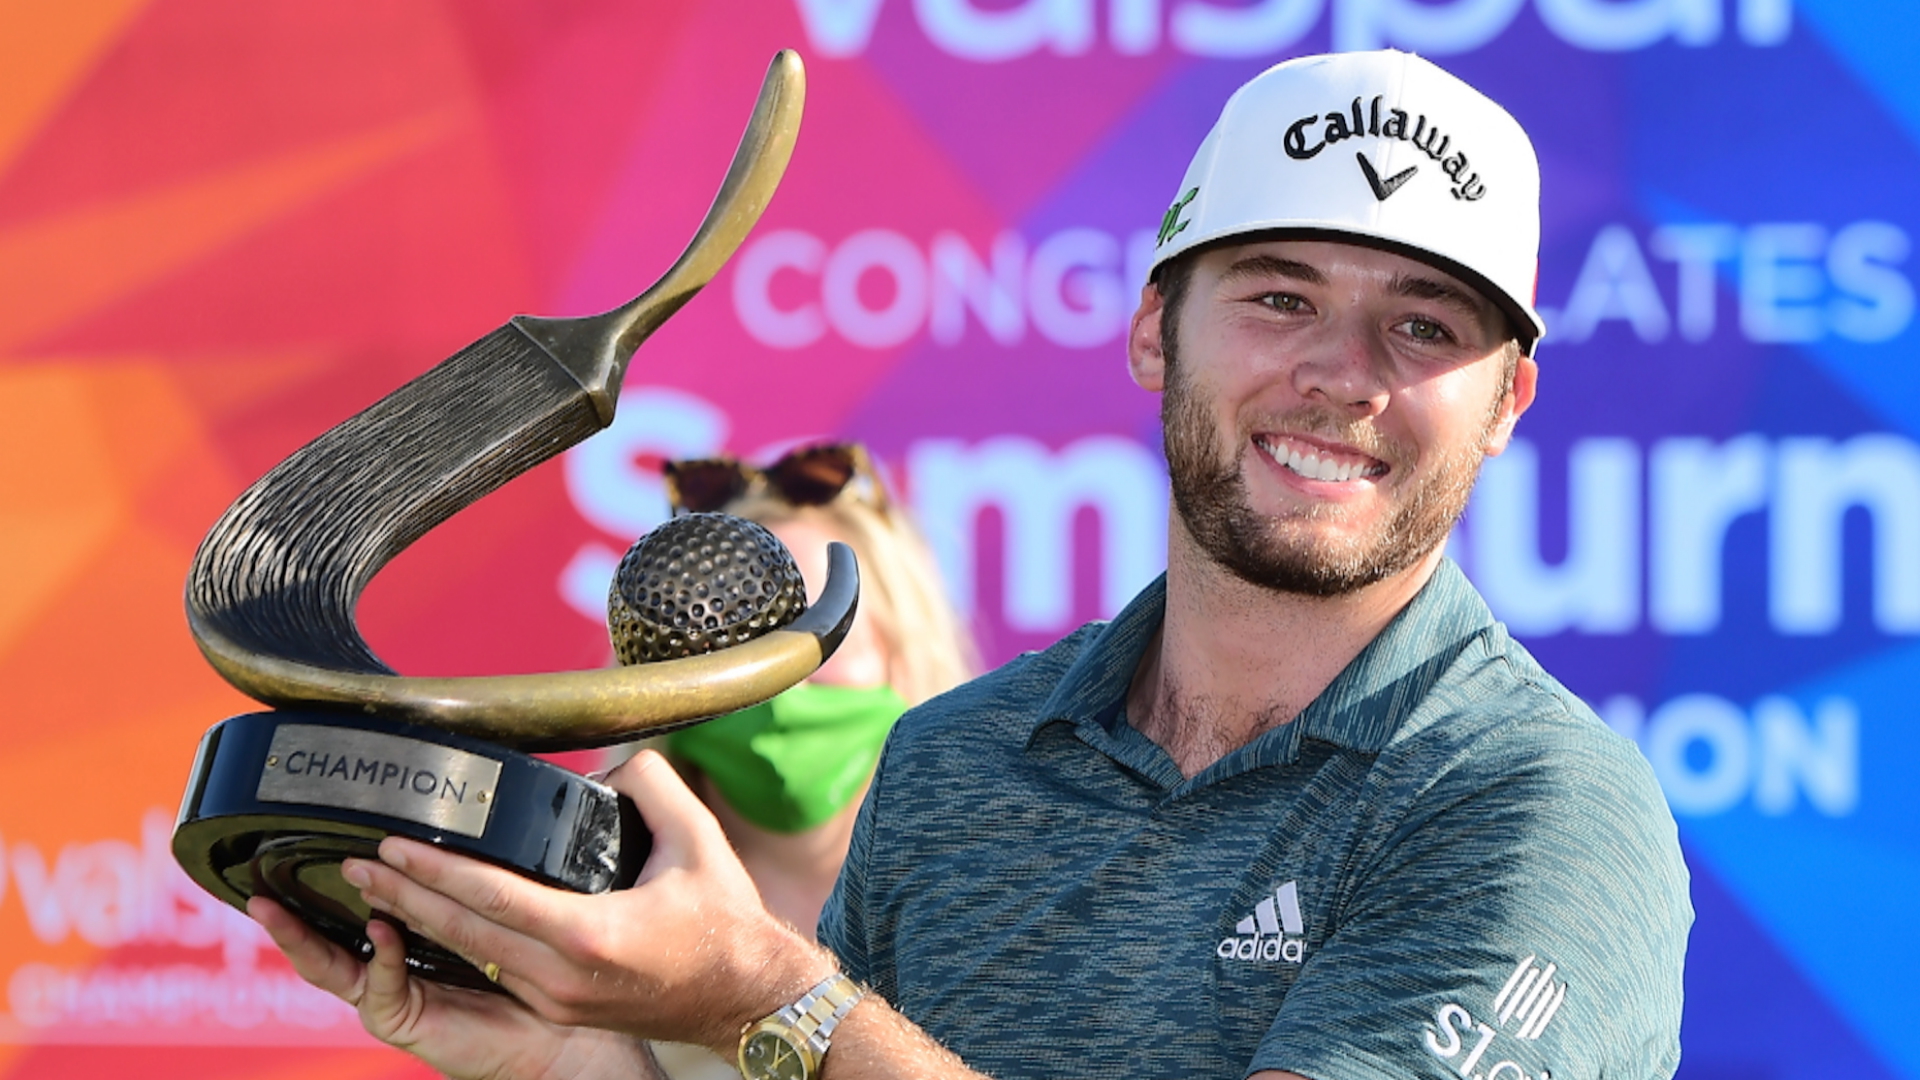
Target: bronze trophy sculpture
(707,616)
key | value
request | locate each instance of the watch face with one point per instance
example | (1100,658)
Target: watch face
(767,1055)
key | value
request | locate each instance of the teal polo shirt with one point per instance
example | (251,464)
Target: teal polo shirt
(1446,866)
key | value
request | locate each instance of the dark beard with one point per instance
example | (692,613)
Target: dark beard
(1210,494)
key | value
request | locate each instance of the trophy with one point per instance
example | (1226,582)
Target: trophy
(707,615)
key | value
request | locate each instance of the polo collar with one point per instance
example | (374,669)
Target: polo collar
(1360,710)
(1364,705)
(1095,684)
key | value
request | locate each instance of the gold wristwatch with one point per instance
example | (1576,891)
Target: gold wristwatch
(792,1043)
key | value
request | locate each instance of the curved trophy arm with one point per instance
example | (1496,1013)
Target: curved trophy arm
(571,710)
(271,594)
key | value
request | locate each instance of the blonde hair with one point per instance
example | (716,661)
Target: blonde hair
(928,651)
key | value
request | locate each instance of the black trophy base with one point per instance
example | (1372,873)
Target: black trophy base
(278,799)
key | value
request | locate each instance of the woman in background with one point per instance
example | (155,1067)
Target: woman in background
(785,778)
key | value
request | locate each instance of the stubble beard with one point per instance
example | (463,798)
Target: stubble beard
(1287,553)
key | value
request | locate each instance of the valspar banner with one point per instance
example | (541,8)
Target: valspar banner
(226,226)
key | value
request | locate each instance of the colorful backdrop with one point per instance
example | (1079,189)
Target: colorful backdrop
(225,225)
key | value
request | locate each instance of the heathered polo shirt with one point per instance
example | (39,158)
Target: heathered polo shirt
(1445,866)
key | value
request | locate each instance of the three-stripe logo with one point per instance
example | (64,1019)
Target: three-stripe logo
(1285,904)
(1274,932)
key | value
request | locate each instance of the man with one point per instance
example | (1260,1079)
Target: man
(1302,809)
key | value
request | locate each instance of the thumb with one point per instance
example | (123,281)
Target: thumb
(684,830)
(390,1002)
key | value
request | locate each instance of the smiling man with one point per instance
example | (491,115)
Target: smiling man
(1302,809)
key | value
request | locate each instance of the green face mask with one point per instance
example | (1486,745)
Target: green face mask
(793,762)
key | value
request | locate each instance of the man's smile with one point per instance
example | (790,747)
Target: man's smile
(1317,461)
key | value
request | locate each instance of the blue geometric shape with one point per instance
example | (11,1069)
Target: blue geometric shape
(1835,893)
(1750,1015)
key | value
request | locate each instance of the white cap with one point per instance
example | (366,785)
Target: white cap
(1383,147)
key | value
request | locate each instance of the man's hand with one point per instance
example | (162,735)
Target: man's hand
(688,954)
(462,1033)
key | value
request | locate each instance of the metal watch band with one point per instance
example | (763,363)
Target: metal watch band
(805,1027)
(820,1010)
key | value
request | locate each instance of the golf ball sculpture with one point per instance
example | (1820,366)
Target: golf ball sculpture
(711,582)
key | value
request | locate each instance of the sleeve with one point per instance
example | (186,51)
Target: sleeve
(1526,919)
(843,928)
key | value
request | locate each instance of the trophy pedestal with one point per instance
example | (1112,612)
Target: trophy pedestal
(278,799)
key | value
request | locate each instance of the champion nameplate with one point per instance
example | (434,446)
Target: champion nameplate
(421,782)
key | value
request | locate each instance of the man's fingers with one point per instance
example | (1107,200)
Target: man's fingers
(313,957)
(500,896)
(480,912)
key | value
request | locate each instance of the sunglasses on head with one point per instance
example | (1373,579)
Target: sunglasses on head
(808,476)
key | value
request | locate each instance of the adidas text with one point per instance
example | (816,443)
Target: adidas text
(1269,949)
(1274,932)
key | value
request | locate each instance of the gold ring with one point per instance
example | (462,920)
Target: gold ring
(491,971)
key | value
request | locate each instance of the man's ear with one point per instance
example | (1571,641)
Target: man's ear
(1145,361)
(1526,378)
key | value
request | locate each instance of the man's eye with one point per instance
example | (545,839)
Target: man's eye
(1426,330)
(1284,301)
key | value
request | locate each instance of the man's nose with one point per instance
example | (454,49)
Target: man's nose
(1346,368)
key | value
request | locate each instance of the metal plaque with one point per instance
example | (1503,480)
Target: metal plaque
(422,782)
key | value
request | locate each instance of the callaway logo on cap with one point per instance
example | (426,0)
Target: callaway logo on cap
(1383,146)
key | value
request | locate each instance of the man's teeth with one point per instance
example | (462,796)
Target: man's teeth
(1314,467)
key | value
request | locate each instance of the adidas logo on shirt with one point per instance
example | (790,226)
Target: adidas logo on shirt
(1273,933)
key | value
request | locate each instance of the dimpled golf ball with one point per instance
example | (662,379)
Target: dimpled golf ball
(698,583)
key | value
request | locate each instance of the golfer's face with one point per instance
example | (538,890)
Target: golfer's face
(1329,405)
